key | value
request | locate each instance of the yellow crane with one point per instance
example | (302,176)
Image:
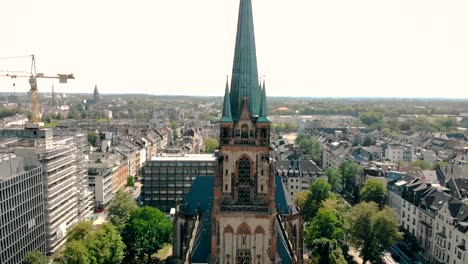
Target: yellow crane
(35,104)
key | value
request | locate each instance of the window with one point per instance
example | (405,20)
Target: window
(244,131)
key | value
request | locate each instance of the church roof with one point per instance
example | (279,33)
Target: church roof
(244,82)
(284,202)
(200,197)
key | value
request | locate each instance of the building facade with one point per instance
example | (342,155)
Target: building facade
(432,220)
(167,179)
(62,177)
(22,220)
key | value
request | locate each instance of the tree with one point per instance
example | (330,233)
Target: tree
(333,176)
(99,245)
(93,138)
(35,257)
(147,230)
(120,208)
(349,171)
(324,237)
(327,251)
(300,198)
(75,253)
(130,181)
(324,225)
(310,147)
(373,190)
(371,118)
(210,145)
(368,141)
(319,191)
(105,245)
(80,230)
(420,164)
(372,231)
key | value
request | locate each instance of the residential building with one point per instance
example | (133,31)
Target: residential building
(167,178)
(22,220)
(431,218)
(298,175)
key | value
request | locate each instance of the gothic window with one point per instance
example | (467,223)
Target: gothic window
(244,131)
(244,195)
(244,170)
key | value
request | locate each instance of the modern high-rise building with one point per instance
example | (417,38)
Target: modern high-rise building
(22,220)
(167,179)
(244,214)
(66,200)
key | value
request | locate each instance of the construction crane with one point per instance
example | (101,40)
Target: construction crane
(35,104)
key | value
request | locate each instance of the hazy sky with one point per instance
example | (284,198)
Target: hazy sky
(397,48)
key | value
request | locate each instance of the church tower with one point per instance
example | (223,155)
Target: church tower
(244,213)
(96,95)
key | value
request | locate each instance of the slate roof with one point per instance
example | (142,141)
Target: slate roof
(284,202)
(200,197)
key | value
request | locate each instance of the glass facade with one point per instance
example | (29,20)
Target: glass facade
(22,227)
(167,180)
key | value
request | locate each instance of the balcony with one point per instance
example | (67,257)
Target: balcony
(61,186)
(56,176)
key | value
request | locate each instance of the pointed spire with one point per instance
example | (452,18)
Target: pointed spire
(244,81)
(263,116)
(227,115)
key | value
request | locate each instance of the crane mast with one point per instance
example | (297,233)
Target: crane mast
(33,92)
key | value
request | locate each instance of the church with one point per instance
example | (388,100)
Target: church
(244,214)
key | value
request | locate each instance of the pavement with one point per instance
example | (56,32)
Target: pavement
(101,218)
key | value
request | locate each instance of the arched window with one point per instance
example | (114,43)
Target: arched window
(244,131)
(244,181)
(244,170)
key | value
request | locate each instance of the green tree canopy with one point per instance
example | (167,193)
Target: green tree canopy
(210,145)
(319,191)
(120,209)
(372,231)
(373,190)
(80,230)
(371,118)
(349,171)
(147,230)
(420,164)
(35,257)
(93,244)
(326,251)
(334,178)
(93,138)
(105,245)
(75,253)
(324,225)
(311,147)
(300,198)
(130,181)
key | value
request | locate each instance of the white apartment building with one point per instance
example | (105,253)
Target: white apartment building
(66,200)
(435,219)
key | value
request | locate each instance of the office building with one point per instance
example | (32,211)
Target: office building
(22,220)
(167,179)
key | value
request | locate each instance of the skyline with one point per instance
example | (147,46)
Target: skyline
(317,49)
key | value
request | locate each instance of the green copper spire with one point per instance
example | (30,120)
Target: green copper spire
(244,81)
(227,116)
(263,117)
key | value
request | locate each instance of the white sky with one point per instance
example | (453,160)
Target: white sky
(397,48)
